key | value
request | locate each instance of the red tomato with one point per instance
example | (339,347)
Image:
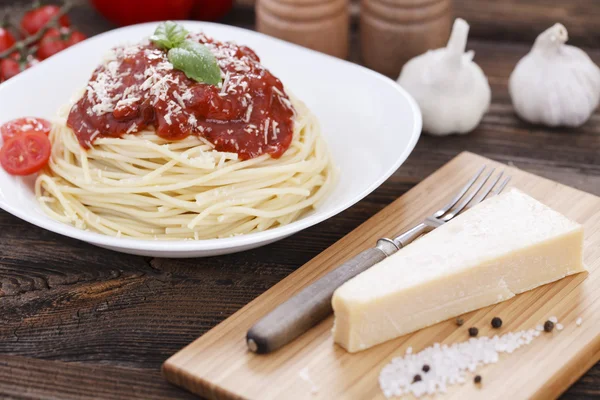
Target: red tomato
(25,154)
(25,124)
(55,40)
(35,19)
(211,10)
(135,11)
(6,39)
(10,67)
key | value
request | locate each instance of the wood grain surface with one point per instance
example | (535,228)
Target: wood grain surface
(66,305)
(219,366)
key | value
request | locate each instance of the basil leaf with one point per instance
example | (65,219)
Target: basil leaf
(196,61)
(169,35)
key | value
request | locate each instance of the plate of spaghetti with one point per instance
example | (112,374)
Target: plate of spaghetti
(195,139)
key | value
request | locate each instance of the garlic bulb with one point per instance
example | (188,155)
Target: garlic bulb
(451,90)
(555,84)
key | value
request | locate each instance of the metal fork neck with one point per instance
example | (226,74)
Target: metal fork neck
(412,234)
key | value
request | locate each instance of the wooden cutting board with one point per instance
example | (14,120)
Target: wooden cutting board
(218,365)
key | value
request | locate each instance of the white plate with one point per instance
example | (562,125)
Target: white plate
(371,125)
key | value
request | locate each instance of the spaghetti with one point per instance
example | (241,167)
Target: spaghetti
(144,186)
(148,152)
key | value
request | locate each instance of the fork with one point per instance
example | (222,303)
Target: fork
(313,303)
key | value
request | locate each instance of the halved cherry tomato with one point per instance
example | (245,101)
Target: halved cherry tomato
(36,19)
(10,67)
(55,40)
(25,124)
(6,39)
(26,153)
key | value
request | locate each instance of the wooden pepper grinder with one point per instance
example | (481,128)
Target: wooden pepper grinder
(321,25)
(394,31)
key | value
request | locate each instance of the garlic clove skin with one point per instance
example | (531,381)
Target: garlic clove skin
(555,84)
(452,91)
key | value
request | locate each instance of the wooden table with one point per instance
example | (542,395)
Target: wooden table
(77,321)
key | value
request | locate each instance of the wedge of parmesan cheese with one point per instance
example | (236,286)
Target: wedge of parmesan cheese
(504,246)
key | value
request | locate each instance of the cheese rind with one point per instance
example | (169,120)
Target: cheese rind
(504,246)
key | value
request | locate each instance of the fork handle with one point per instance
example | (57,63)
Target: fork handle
(312,304)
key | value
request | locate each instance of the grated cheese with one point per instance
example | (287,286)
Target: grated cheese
(127,101)
(187,95)
(248,113)
(132,128)
(267,121)
(159,85)
(94,136)
(164,66)
(179,99)
(225,82)
(275,130)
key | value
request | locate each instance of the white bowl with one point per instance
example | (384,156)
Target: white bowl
(370,124)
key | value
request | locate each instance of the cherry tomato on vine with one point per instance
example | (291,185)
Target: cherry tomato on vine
(14,65)
(26,153)
(55,40)
(7,40)
(17,126)
(37,18)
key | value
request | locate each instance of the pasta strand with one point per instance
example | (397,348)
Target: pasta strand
(143,186)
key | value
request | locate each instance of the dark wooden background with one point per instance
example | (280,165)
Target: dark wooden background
(77,321)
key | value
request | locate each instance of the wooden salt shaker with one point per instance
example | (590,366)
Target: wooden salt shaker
(321,25)
(394,31)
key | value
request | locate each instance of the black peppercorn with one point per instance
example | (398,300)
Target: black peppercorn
(417,378)
(477,379)
(425,368)
(496,322)
(548,326)
(473,332)
(460,321)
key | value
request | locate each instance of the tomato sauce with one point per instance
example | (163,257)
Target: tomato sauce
(137,88)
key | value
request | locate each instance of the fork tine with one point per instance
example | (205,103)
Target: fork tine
(484,193)
(460,194)
(501,187)
(467,199)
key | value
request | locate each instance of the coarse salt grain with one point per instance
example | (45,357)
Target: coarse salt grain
(305,376)
(553,319)
(559,327)
(579,321)
(449,365)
